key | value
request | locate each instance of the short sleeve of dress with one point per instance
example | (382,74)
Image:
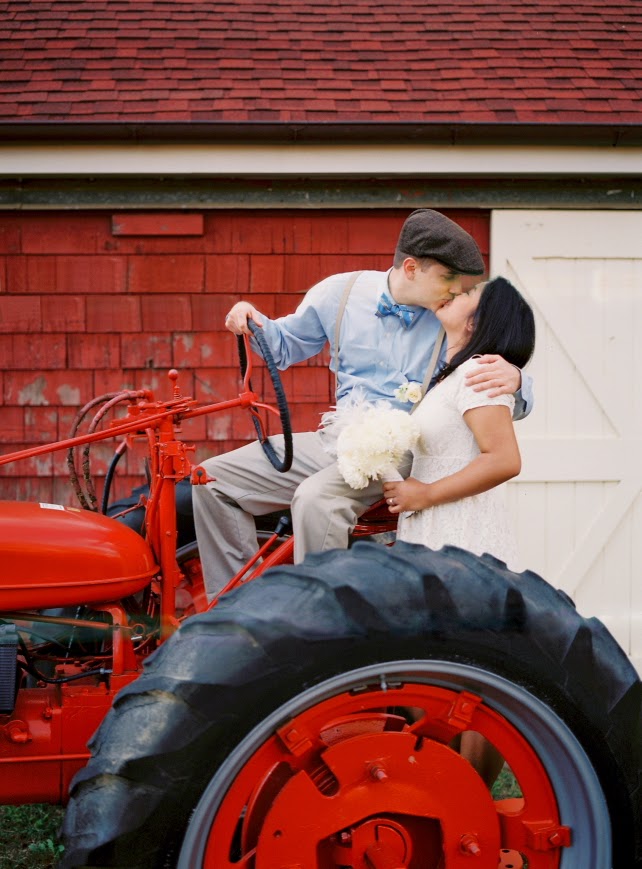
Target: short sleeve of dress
(466,398)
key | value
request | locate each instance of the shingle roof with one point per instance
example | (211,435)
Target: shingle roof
(367,61)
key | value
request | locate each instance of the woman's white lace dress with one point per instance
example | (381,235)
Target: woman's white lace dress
(479,523)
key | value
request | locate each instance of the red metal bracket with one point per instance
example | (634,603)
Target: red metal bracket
(199,476)
(462,711)
(547,835)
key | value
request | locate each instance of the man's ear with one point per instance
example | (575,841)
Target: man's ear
(410,266)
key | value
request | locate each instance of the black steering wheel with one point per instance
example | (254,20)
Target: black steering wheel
(285,463)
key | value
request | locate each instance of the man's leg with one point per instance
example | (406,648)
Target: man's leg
(245,485)
(325,510)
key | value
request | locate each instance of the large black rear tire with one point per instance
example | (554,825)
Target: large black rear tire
(178,737)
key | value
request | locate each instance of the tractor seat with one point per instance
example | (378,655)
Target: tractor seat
(376,520)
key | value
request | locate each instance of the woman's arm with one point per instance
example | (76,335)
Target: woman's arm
(498,461)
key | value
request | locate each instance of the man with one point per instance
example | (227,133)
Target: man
(385,329)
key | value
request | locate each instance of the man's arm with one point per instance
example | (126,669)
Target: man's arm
(498,377)
(293,338)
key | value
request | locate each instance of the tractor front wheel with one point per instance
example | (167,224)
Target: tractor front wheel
(311,720)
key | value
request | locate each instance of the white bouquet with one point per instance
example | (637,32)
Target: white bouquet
(373,442)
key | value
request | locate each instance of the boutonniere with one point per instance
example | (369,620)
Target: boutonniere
(409,391)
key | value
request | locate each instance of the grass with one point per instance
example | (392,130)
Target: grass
(29,836)
(506,786)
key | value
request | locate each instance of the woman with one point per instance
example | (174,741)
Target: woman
(467,446)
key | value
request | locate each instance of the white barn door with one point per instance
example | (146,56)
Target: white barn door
(577,503)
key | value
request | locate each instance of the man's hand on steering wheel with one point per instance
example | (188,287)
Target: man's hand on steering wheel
(237,317)
(244,320)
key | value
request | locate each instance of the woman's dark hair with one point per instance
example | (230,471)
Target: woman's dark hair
(503,324)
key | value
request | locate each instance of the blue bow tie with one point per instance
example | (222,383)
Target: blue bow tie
(386,306)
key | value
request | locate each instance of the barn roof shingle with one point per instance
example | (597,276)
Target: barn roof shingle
(530,62)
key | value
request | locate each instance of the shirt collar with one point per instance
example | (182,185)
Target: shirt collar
(417,310)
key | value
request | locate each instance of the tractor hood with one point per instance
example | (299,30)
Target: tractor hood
(54,556)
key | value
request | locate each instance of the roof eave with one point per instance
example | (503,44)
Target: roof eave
(367,132)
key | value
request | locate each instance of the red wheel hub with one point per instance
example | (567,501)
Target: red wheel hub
(379,776)
(349,783)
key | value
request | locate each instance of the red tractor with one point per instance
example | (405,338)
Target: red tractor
(309,719)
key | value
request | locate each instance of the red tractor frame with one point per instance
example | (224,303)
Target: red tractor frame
(309,720)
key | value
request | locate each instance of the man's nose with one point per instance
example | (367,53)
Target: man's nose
(457,286)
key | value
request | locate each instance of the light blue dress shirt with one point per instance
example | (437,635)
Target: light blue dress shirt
(376,354)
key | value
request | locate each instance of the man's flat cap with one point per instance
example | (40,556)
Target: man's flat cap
(427,233)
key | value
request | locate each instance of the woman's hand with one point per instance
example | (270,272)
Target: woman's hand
(495,376)
(407,495)
(239,314)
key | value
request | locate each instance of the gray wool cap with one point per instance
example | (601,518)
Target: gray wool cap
(427,233)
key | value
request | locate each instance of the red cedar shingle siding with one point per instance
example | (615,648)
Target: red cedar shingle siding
(365,61)
(93,302)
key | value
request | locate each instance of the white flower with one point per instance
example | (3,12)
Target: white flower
(373,443)
(409,391)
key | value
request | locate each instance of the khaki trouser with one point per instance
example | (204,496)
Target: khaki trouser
(324,508)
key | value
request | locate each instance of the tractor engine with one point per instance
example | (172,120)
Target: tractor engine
(66,641)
